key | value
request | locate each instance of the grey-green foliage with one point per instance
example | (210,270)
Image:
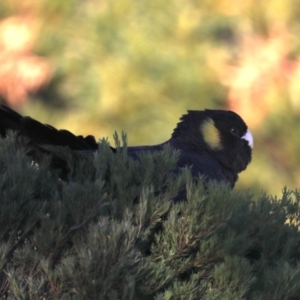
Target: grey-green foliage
(111,231)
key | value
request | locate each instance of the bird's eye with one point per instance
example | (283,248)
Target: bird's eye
(234,131)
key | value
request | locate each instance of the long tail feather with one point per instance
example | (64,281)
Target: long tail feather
(45,139)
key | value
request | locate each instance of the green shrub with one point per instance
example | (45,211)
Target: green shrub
(111,231)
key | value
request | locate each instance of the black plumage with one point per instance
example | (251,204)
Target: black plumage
(215,144)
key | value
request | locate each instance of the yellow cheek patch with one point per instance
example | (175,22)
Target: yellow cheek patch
(211,134)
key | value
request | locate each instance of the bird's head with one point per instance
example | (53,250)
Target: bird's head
(222,134)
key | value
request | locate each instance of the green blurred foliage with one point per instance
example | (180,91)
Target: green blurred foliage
(138,66)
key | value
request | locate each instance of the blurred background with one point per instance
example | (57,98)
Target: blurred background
(96,66)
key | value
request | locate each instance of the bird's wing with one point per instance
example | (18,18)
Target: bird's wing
(201,165)
(134,151)
(205,166)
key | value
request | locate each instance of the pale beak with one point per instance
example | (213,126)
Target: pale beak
(249,138)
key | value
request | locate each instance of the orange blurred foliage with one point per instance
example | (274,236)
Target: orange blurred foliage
(259,74)
(21,71)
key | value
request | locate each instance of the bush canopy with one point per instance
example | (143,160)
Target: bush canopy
(111,231)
